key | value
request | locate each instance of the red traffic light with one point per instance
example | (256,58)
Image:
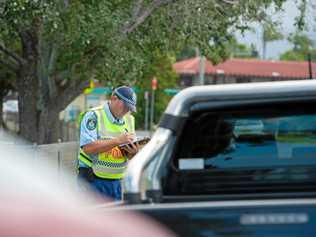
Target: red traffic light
(154,83)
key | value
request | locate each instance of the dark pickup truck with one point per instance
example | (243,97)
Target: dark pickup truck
(255,218)
(231,160)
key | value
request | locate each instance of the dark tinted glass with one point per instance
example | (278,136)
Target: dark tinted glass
(249,150)
(267,142)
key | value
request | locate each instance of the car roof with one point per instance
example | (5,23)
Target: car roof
(180,103)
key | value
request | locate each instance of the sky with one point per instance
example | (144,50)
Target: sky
(287,19)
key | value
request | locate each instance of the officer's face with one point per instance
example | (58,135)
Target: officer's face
(124,108)
(120,108)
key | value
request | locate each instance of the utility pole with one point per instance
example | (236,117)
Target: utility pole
(154,83)
(146,95)
(310,66)
(201,69)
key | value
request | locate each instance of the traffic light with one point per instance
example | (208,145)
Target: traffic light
(154,83)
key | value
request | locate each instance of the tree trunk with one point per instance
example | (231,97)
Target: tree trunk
(38,108)
(48,125)
(264,49)
(1,113)
(37,125)
(27,87)
(27,90)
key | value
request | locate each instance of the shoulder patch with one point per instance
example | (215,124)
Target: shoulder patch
(91,123)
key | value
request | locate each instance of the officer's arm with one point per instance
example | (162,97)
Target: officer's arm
(89,141)
(99,146)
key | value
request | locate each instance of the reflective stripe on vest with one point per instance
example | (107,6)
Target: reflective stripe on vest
(106,166)
(83,157)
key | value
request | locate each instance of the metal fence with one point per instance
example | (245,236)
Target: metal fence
(62,154)
(68,131)
(61,157)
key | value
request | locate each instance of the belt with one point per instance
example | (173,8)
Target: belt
(88,175)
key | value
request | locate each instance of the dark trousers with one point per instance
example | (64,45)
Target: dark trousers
(109,188)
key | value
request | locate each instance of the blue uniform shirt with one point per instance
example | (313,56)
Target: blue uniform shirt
(88,127)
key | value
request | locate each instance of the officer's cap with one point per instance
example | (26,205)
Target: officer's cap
(128,96)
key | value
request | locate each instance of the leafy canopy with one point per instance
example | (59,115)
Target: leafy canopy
(114,40)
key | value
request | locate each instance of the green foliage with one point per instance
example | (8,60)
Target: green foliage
(300,19)
(242,51)
(166,77)
(88,33)
(19,14)
(293,56)
(116,41)
(302,46)
(270,32)
(186,53)
(301,42)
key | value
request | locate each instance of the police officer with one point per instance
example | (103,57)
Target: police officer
(101,163)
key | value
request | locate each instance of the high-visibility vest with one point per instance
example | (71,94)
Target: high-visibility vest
(105,165)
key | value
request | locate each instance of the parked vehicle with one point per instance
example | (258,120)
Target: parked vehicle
(10,106)
(268,218)
(203,178)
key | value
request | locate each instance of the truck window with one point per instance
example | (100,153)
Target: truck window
(248,150)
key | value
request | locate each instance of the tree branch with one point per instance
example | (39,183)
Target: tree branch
(138,19)
(13,68)
(66,3)
(60,77)
(51,67)
(136,9)
(73,89)
(230,1)
(11,54)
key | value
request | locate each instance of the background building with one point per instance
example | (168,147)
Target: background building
(241,71)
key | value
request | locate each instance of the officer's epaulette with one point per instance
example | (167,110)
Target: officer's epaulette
(97,108)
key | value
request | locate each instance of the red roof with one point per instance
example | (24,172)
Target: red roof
(248,67)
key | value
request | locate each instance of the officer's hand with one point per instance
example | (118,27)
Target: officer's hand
(131,149)
(125,138)
(116,152)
